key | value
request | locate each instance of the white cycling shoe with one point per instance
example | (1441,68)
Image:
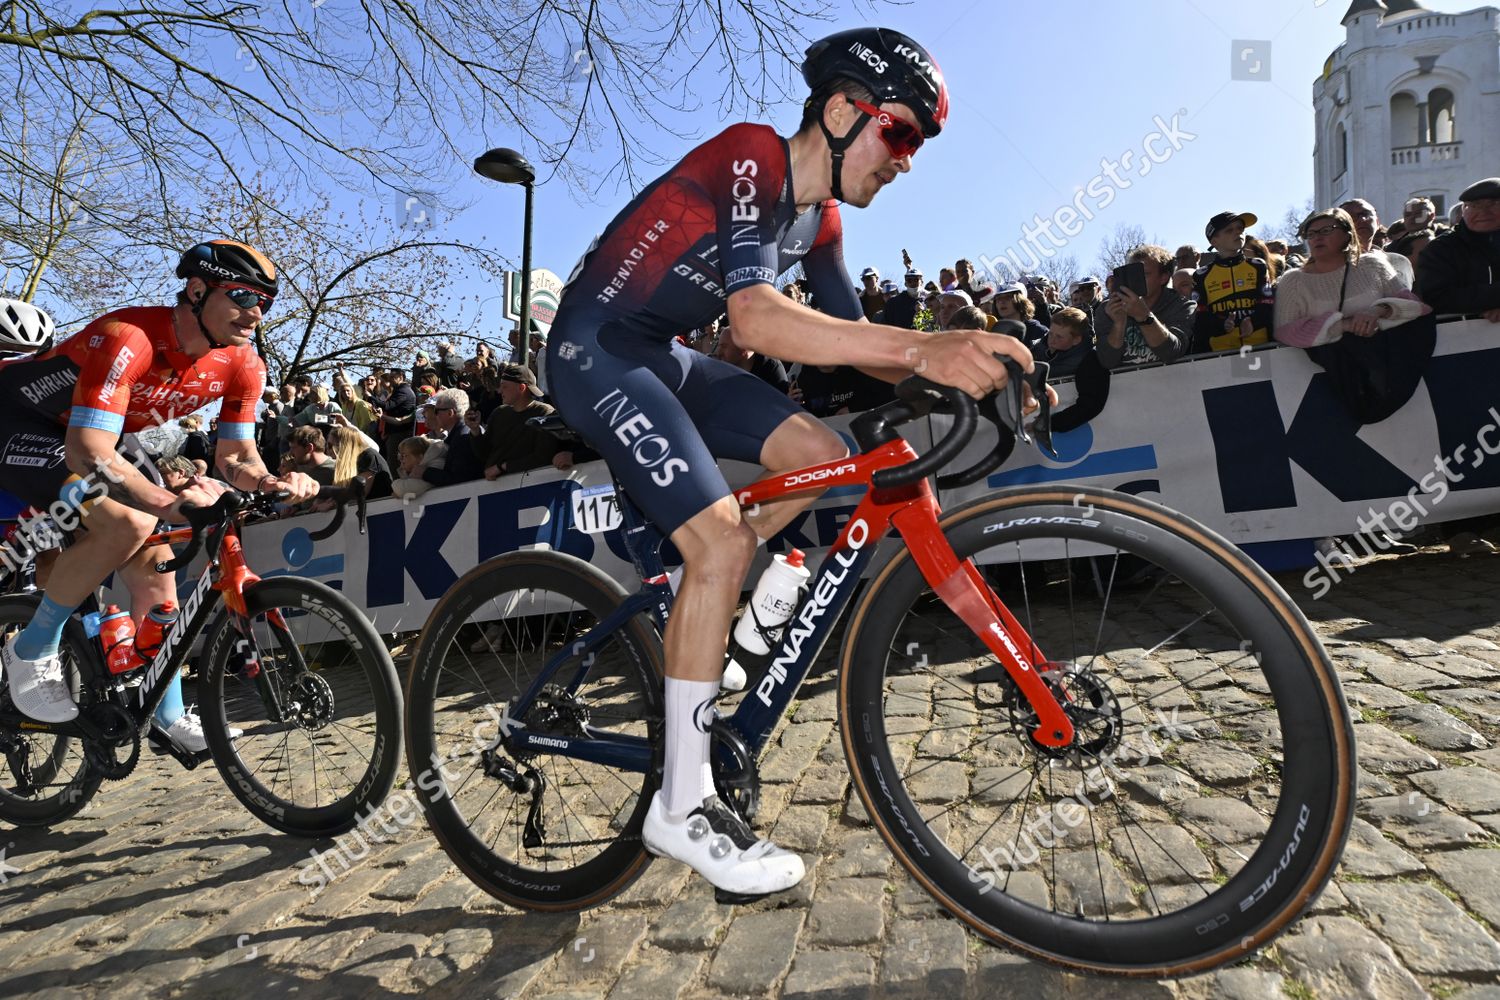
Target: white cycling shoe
(38,688)
(187,733)
(714,842)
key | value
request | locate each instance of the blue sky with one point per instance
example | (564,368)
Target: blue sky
(1041,93)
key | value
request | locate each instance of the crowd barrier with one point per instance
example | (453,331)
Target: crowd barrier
(1255,446)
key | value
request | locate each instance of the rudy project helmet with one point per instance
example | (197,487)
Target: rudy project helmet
(229,260)
(890,64)
(24,327)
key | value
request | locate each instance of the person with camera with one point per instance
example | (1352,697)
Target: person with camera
(1143,320)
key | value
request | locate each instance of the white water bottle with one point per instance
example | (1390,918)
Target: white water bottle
(772,603)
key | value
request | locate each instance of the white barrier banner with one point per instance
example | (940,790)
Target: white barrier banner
(1256,447)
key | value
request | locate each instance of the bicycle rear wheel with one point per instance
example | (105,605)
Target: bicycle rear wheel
(1207,796)
(538,830)
(44,779)
(333,758)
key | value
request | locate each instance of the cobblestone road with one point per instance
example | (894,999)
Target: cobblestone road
(165,887)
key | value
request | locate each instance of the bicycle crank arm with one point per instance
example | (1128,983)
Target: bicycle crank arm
(79,728)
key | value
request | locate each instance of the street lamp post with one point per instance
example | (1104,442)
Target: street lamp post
(509,167)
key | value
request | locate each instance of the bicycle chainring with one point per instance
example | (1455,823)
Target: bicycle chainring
(736,773)
(119,733)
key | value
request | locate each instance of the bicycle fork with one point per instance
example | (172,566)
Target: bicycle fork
(961,587)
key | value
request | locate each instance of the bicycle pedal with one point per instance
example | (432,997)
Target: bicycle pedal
(728,898)
(163,747)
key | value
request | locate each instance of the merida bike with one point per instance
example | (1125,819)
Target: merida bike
(299,699)
(1091,728)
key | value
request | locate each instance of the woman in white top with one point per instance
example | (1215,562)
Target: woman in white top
(1339,290)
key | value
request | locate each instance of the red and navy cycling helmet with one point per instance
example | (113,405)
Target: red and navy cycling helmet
(219,261)
(891,65)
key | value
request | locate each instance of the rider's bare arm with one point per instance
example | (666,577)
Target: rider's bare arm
(240,464)
(769,323)
(90,453)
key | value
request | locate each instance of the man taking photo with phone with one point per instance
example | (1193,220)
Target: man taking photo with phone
(1136,329)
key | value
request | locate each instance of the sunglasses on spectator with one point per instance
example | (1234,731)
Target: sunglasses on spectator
(901,137)
(247,298)
(1324,231)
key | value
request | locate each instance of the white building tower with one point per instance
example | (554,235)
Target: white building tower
(1408,105)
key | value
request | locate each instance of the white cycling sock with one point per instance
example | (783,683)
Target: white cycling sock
(687,778)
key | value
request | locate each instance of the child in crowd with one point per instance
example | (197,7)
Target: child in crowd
(414,453)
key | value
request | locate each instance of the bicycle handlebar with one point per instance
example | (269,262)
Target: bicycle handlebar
(917,396)
(206,519)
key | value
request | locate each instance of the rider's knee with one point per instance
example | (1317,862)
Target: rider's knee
(825,447)
(801,442)
(717,541)
(124,527)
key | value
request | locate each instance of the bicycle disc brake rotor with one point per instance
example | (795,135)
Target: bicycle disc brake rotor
(311,701)
(119,733)
(1090,705)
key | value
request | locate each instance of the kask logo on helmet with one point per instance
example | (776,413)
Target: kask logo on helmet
(917,59)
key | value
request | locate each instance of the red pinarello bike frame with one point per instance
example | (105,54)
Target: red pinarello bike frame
(913,511)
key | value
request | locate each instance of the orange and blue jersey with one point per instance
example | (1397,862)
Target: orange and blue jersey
(124,372)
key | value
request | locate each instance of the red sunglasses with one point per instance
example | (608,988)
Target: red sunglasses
(901,137)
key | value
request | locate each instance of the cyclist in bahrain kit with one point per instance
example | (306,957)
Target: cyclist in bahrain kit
(713,233)
(62,413)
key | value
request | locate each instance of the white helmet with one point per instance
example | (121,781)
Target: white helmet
(24,327)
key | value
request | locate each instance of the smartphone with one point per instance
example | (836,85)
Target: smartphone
(1131,276)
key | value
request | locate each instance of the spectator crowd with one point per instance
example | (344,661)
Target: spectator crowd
(1350,284)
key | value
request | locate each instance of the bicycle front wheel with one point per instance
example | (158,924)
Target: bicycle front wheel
(312,742)
(537,829)
(1208,792)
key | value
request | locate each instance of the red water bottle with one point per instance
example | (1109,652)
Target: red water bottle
(154,627)
(117,636)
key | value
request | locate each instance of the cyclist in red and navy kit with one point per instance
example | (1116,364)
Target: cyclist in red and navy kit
(61,417)
(712,234)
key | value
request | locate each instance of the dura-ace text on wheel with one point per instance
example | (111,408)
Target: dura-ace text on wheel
(332,756)
(508,648)
(1206,796)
